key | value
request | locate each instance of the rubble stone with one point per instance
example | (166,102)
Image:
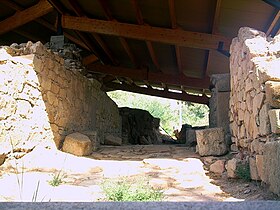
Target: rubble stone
(218,167)
(77,144)
(231,167)
(211,142)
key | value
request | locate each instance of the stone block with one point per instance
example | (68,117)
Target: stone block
(274,117)
(218,167)
(259,163)
(271,166)
(211,142)
(190,137)
(221,82)
(231,167)
(112,140)
(92,135)
(77,144)
(264,127)
(272,91)
(253,169)
(223,110)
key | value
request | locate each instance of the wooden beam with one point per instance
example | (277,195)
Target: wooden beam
(140,21)
(29,36)
(79,12)
(51,27)
(142,32)
(123,41)
(58,6)
(152,77)
(155,92)
(89,59)
(25,16)
(273,23)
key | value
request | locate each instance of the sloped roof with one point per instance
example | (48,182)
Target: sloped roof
(145,46)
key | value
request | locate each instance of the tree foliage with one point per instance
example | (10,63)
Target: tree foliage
(167,110)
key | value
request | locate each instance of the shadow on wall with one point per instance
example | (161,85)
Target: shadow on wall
(41,101)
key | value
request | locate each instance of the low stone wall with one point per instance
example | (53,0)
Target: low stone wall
(254,103)
(41,101)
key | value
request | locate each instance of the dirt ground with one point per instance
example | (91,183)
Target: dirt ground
(177,170)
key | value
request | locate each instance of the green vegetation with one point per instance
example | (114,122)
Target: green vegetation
(56,179)
(167,110)
(243,171)
(125,189)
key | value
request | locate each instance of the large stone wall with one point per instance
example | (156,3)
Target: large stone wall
(41,101)
(254,103)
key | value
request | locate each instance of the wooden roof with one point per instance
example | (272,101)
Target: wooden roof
(143,46)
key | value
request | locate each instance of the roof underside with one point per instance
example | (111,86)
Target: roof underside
(144,46)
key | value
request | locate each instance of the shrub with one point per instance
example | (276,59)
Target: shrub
(243,171)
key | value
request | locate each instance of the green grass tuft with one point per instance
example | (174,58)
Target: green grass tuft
(125,189)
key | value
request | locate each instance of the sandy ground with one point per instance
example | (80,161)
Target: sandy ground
(177,170)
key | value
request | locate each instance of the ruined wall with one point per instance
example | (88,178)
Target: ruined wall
(41,101)
(254,103)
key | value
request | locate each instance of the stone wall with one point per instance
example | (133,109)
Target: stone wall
(254,103)
(41,101)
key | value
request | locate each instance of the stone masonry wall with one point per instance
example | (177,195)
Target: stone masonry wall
(254,103)
(41,101)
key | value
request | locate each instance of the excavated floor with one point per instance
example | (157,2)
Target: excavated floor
(177,170)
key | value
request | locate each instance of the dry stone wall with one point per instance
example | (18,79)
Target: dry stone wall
(254,102)
(41,101)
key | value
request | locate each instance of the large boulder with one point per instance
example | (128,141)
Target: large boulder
(138,126)
(211,141)
(77,144)
(271,166)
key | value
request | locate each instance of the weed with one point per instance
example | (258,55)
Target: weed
(125,189)
(56,179)
(243,171)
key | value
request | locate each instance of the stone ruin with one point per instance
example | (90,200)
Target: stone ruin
(255,105)
(43,99)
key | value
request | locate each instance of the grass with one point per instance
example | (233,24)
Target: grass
(127,189)
(243,171)
(56,179)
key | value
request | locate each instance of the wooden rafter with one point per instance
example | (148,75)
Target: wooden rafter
(160,93)
(152,77)
(149,44)
(174,26)
(18,8)
(79,12)
(85,39)
(142,32)
(273,23)
(89,59)
(20,18)
(215,30)
(123,41)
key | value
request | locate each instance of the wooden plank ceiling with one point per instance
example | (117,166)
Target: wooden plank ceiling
(166,48)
